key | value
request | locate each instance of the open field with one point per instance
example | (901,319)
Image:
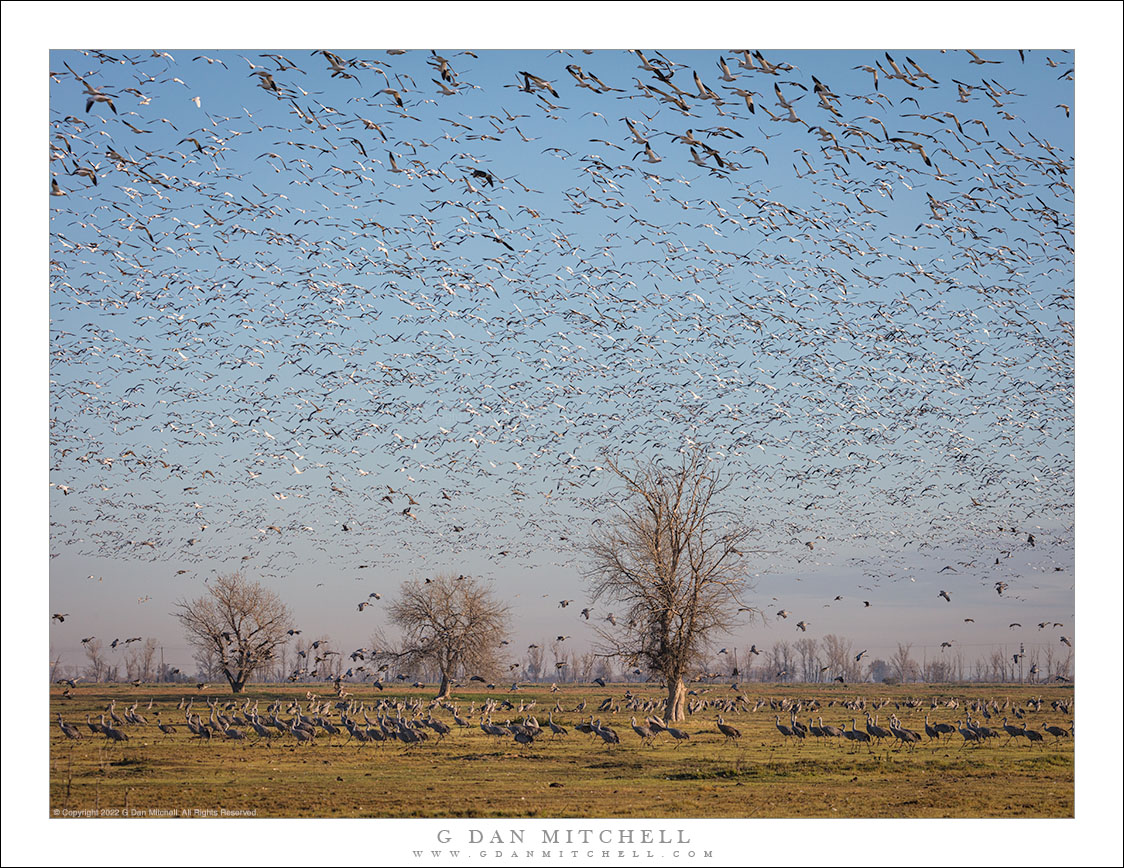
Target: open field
(471,774)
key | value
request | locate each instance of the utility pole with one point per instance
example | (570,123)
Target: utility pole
(163,671)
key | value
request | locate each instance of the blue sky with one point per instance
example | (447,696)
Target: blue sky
(472,342)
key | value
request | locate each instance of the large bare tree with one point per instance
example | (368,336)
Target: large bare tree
(242,622)
(453,623)
(673,560)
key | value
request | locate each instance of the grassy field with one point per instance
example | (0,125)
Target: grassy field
(471,774)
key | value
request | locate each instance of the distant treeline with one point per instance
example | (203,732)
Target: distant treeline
(806,660)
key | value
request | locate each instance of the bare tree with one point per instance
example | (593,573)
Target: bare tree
(673,559)
(1065,666)
(132,664)
(533,667)
(807,648)
(281,668)
(998,664)
(937,670)
(148,659)
(95,653)
(882,672)
(585,666)
(139,660)
(243,622)
(903,664)
(327,662)
(563,661)
(840,657)
(206,663)
(746,668)
(301,666)
(603,669)
(453,623)
(778,662)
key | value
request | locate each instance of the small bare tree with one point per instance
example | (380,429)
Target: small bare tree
(779,662)
(583,670)
(841,657)
(903,664)
(326,662)
(937,670)
(206,663)
(148,659)
(807,648)
(533,666)
(453,623)
(673,559)
(132,664)
(561,654)
(95,653)
(242,622)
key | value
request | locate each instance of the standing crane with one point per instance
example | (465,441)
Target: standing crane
(555,729)
(115,734)
(644,732)
(731,732)
(856,735)
(69,729)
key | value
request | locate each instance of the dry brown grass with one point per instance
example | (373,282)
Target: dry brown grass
(470,774)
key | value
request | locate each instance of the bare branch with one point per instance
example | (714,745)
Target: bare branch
(674,562)
(241,623)
(453,623)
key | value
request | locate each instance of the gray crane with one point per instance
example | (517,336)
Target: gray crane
(111,733)
(902,734)
(555,729)
(643,731)
(165,728)
(856,735)
(731,732)
(1032,735)
(679,735)
(1013,731)
(829,730)
(303,736)
(69,729)
(876,731)
(607,734)
(969,734)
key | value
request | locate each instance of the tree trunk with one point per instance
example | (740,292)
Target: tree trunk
(445,691)
(676,700)
(236,684)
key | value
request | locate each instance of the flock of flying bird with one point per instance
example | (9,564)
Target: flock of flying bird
(383,310)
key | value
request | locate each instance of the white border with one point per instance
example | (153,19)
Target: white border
(1093,29)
